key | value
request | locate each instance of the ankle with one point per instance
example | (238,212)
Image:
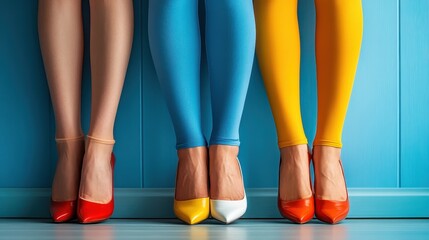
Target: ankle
(193,154)
(294,179)
(328,173)
(296,153)
(67,174)
(322,149)
(192,174)
(326,154)
(223,152)
(98,148)
(101,133)
(69,133)
(70,148)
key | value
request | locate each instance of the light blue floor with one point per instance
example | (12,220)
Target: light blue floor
(261,229)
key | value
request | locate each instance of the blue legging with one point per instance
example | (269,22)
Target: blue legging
(174,37)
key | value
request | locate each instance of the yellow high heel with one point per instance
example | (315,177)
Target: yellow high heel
(192,211)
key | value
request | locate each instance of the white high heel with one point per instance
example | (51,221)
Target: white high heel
(228,211)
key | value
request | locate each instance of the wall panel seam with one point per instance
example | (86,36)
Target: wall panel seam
(398,87)
(141,98)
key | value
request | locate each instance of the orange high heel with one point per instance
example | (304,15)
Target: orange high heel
(332,211)
(92,212)
(63,211)
(298,211)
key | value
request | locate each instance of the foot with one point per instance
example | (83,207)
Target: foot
(328,174)
(67,174)
(96,177)
(294,173)
(226,181)
(192,174)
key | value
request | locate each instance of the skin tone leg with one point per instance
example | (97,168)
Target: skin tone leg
(330,181)
(61,42)
(226,181)
(111,40)
(192,171)
(294,173)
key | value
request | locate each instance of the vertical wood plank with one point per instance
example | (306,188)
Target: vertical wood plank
(259,154)
(144,133)
(414,50)
(159,153)
(24,100)
(129,121)
(371,128)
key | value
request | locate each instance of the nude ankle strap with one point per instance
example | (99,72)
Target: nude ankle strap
(59,140)
(100,140)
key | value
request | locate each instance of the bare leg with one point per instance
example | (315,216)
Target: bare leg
(111,40)
(294,173)
(61,42)
(192,173)
(330,181)
(226,182)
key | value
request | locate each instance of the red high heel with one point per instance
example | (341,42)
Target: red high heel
(332,211)
(63,211)
(298,211)
(92,212)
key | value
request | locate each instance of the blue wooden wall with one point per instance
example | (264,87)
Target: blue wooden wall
(386,132)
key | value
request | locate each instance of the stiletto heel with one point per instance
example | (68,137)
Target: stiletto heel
(63,211)
(331,211)
(228,211)
(300,210)
(191,211)
(93,212)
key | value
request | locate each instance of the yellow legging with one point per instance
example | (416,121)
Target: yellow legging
(339,27)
